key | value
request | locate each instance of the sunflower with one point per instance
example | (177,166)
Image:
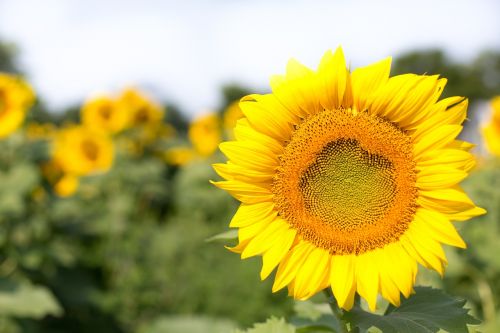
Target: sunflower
(179,156)
(204,134)
(491,132)
(81,151)
(231,116)
(141,110)
(104,114)
(348,180)
(66,185)
(16,97)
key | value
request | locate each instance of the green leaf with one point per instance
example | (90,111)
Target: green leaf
(227,235)
(428,311)
(307,309)
(325,323)
(26,300)
(312,318)
(272,325)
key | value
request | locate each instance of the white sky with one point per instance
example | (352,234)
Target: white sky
(184,51)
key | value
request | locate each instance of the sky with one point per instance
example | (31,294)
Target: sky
(184,51)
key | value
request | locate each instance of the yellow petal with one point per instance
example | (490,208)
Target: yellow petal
(367,277)
(298,90)
(288,268)
(250,155)
(436,177)
(247,193)
(265,119)
(404,272)
(311,274)
(439,227)
(448,201)
(272,257)
(430,251)
(332,75)
(231,171)
(425,240)
(245,132)
(248,214)
(366,80)
(404,97)
(412,252)
(245,234)
(459,144)
(388,288)
(342,279)
(437,139)
(238,248)
(265,239)
(424,101)
(466,214)
(449,111)
(450,158)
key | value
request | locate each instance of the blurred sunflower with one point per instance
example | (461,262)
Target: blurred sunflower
(491,132)
(348,180)
(104,114)
(231,115)
(66,185)
(204,134)
(179,156)
(141,110)
(81,151)
(16,97)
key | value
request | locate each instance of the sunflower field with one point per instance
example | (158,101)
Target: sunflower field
(109,221)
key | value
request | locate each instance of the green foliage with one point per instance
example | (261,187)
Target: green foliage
(311,317)
(125,251)
(188,324)
(272,325)
(176,118)
(428,310)
(26,300)
(8,53)
(231,93)
(475,80)
(476,273)
(224,236)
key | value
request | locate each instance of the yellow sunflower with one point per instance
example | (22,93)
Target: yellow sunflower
(66,185)
(141,110)
(179,156)
(232,114)
(204,134)
(81,151)
(491,132)
(16,97)
(348,180)
(104,114)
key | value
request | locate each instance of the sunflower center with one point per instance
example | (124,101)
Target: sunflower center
(346,181)
(90,150)
(106,112)
(3,101)
(347,186)
(142,115)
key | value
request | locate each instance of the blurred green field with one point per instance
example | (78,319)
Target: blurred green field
(127,252)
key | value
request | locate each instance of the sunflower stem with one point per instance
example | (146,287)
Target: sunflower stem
(336,310)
